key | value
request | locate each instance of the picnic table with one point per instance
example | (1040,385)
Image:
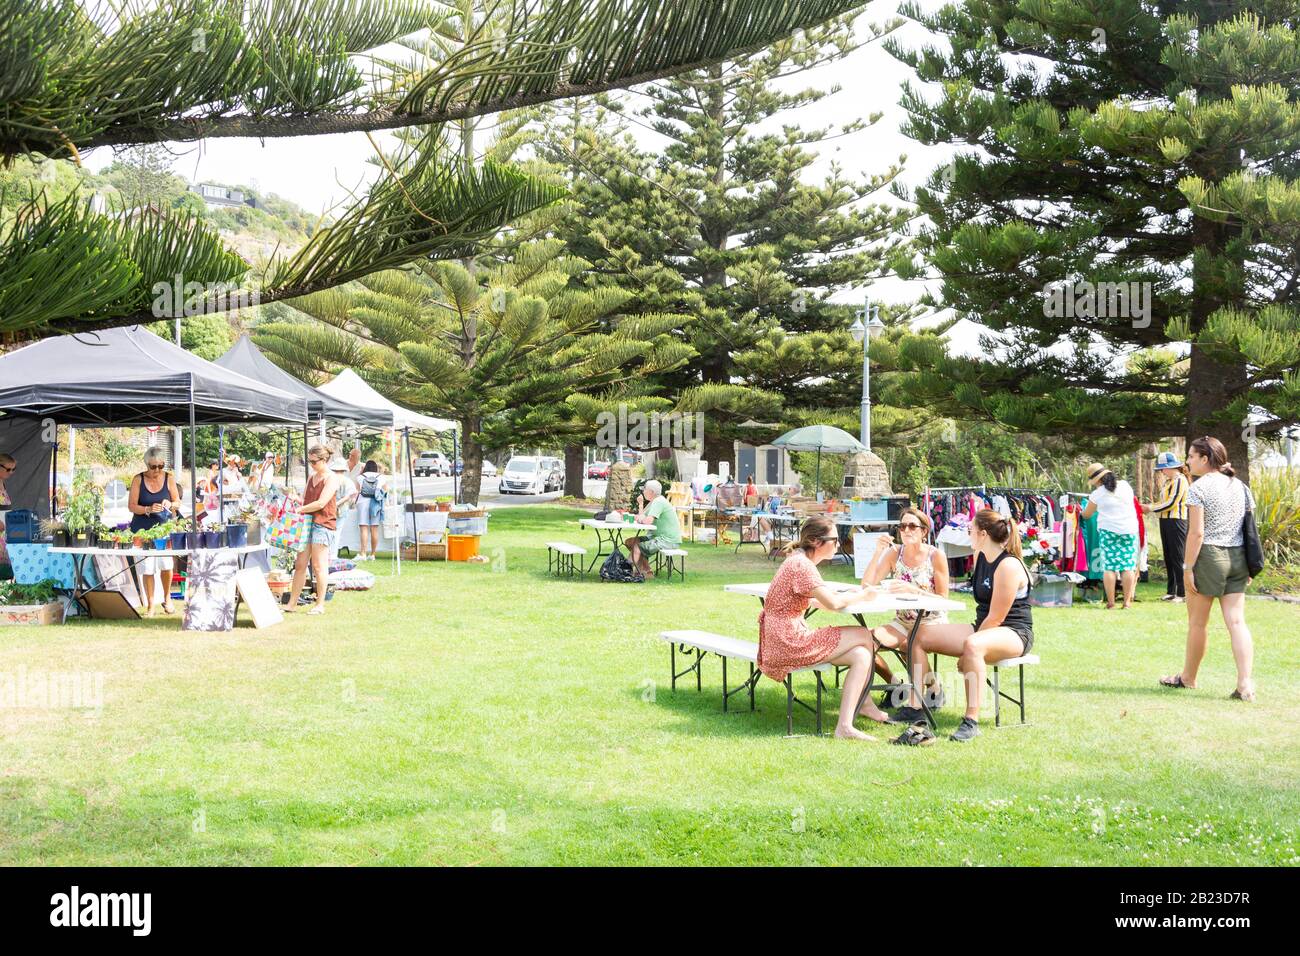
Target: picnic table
(883,602)
(609,533)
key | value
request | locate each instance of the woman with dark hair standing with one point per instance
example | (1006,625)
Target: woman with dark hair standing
(786,642)
(1215,563)
(1004,623)
(1112,502)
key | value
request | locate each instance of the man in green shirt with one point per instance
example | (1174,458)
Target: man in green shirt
(655,510)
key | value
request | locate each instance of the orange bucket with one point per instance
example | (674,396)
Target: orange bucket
(461,547)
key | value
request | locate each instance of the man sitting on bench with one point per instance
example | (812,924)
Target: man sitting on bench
(653,509)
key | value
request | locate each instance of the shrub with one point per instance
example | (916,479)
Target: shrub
(1277,512)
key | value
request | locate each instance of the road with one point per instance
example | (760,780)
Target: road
(426,489)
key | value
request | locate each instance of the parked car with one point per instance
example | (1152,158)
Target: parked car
(554,474)
(598,469)
(523,475)
(431,463)
(489,469)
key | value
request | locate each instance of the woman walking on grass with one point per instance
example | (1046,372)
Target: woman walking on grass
(786,642)
(1215,563)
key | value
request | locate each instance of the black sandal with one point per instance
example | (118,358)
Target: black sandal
(1175,682)
(918,734)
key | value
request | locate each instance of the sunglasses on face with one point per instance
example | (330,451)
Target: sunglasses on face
(910,526)
(154,467)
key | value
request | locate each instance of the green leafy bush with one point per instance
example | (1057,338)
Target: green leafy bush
(15,595)
(1277,513)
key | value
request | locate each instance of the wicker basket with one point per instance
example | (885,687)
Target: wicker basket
(427,551)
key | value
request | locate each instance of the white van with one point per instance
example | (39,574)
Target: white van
(524,475)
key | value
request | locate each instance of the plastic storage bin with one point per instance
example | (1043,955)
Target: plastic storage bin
(467,525)
(22,526)
(461,547)
(1052,593)
(869,510)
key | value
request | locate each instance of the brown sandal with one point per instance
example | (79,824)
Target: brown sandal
(1176,682)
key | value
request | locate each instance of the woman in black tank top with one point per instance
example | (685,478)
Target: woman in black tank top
(1004,624)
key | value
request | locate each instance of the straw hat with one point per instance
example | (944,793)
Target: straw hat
(1096,471)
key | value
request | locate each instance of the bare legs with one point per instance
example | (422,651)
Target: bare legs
(973,650)
(1128,580)
(1233,607)
(856,651)
(166,591)
(319,555)
(369,540)
(639,560)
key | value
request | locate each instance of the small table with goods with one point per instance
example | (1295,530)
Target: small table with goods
(883,602)
(83,587)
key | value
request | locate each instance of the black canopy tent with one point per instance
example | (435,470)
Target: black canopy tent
(131,377)
(248,360)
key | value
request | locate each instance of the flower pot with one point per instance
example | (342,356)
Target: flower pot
(211,539)
(160,544)
(139,543)
(236,535)
(61,539)
(193,540)
(177,540)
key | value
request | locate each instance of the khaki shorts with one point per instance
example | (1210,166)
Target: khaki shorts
(1219,571)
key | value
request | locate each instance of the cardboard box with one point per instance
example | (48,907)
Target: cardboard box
(51,613)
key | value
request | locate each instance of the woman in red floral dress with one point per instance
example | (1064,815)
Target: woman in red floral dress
(786,642)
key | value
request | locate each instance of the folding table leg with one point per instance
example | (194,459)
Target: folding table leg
(997,699)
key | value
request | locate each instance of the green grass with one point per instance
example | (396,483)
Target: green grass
(457,715)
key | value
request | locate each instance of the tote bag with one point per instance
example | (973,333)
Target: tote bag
(1250,539)
(288,528)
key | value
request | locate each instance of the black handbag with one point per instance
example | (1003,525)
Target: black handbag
(1250,539)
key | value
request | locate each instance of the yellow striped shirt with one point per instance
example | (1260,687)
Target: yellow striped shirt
(1174,502)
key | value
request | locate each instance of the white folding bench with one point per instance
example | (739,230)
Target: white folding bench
(675,559)
(559,558)
(998,696)
(700,643)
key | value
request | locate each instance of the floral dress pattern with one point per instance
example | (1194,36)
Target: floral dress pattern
(923,577)
(785,641)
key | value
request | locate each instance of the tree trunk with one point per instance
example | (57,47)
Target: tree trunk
(1211,386)
(575,471)
(471,478)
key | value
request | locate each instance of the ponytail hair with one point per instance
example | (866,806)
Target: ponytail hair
(1211,448)
(814,532)
(1003,531)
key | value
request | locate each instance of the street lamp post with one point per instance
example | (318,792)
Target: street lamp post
(864,333)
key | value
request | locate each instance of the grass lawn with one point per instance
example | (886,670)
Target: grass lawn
(476,714)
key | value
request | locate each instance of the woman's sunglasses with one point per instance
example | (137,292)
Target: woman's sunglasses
(910,526)
(154,467)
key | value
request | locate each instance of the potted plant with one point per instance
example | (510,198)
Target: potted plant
(442,503)
(236,534)
(82,515)
(56,531)
(158,535)
(213,535)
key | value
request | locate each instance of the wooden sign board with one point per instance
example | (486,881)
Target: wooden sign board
(262,604)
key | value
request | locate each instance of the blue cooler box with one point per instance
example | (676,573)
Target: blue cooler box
(21,526)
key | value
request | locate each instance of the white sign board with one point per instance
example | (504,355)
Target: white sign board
(262,604)
(864,547)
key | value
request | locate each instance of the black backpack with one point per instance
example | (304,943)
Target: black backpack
(619,568)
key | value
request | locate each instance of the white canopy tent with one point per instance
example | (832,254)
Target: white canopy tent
(349,387)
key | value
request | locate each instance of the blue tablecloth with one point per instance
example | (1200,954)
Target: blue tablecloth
(33,563)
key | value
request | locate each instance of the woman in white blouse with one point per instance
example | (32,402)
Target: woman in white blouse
(1115,506)
(1215,563)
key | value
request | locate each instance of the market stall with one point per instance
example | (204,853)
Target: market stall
(124,377)
(349,387)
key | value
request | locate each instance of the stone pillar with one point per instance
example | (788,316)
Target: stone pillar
(618,490)
(870,477)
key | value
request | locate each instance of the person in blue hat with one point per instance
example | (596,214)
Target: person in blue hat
(1171,509)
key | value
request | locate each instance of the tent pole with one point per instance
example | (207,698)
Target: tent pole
(288,457)
(194,471)
(455,457)
(221,473)
(54,469)
(306,443)
(392,470)
(410,478)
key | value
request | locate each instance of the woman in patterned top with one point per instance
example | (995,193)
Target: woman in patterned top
(918,567)
(1112,501)
(1215,564)
(786,642)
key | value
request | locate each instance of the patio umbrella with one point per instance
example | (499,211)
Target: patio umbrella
(819,438)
